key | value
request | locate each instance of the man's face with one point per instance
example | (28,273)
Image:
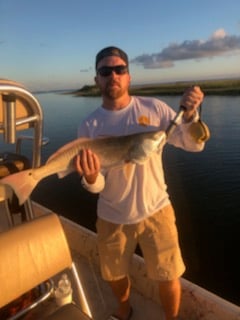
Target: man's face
(113,83)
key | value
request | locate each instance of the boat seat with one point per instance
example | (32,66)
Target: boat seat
(31,253)
(21,119)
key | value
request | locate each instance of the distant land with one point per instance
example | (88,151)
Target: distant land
(209,87)
(52,91)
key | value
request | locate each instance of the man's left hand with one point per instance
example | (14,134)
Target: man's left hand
(191,100)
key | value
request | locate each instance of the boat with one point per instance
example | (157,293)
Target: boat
(197,303)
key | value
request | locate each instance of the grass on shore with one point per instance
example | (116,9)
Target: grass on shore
(209,87)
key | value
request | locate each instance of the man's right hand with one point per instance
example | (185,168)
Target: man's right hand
(88,165)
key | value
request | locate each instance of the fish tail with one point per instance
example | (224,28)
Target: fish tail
(22,184)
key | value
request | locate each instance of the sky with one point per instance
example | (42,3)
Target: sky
(52,44)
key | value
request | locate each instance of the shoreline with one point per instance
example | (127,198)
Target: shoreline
(229,87)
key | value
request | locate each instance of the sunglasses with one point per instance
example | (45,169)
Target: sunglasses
(107,71)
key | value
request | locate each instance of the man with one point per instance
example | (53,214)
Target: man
(133,205)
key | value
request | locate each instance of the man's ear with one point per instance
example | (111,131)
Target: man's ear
(130,79)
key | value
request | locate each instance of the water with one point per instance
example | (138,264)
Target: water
(204,188)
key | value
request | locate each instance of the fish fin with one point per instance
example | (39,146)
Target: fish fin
(22,184)
(63,174)
(139,160)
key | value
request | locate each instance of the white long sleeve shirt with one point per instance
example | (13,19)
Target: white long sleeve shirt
(130,193)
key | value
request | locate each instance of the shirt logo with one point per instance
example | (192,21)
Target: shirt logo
(144,121)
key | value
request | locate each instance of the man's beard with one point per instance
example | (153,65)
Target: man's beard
(113,90)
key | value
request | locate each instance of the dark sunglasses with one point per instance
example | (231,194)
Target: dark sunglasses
(107,71)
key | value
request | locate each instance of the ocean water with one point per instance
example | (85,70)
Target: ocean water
(204,187)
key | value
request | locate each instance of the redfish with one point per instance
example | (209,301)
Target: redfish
(112,152)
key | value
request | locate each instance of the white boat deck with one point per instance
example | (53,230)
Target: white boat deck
(101,300)
(197,303)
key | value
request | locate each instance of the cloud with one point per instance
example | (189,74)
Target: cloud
(86,70)
(219,34)
(219,43)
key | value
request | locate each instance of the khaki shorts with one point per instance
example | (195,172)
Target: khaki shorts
(158,239)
